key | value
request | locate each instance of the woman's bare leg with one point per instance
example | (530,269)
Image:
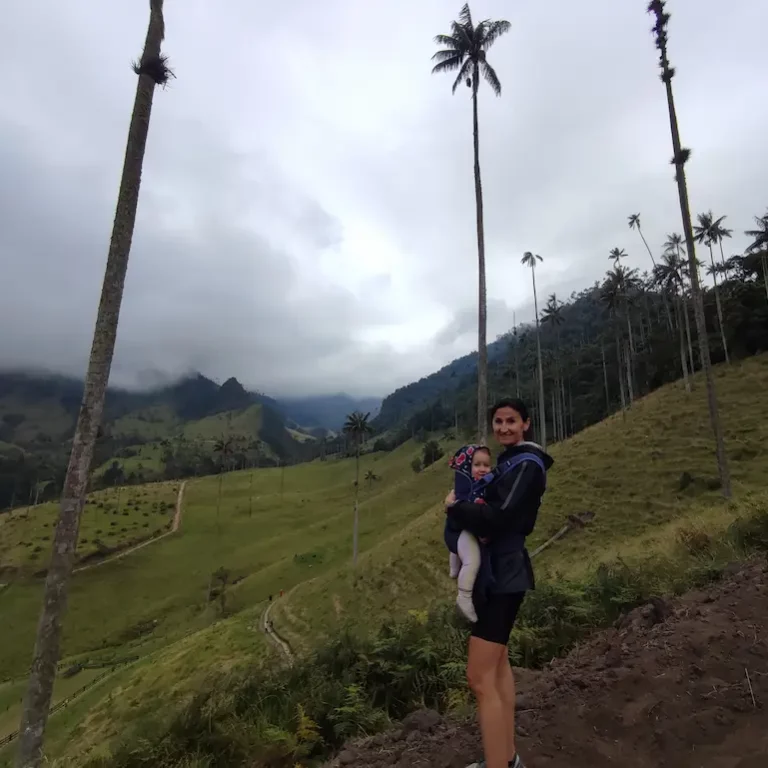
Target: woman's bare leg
(483,676)
(505,683)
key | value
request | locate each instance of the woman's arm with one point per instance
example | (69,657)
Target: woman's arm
(492,519)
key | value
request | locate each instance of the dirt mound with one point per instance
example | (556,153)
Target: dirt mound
(680,683)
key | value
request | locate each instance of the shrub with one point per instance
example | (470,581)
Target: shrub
(432,452)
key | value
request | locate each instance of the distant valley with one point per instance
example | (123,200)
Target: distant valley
(158,434)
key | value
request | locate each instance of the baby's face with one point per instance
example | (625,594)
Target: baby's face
(481,465)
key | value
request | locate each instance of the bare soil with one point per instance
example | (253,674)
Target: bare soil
(680,683)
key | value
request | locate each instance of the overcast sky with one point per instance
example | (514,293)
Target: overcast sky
(307,218)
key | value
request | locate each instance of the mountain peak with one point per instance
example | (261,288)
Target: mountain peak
(232,386)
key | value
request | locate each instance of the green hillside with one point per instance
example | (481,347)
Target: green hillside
(246,421)
(112,520)
(649,478)
(645,476)
(162,434)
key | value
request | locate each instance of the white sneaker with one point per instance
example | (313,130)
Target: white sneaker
(466,606)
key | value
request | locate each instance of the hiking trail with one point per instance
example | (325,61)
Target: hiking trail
(277,641)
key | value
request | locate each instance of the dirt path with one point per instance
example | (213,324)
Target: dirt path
(266,628)
(680,684)
(175,525)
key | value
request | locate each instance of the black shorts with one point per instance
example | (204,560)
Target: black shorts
(496,617)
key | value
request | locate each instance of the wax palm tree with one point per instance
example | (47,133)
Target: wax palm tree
(370,477)
(552,315)
(465,50)
(680,157)
(611,295)
(706,232)
(529,260)
(760,243)
(633,220)
(357,428)
(616,255)
(152,70)
(626,284)
(624,279)
(674,243)
(516,342)
(718,234)
(224,447)
(668,275)
(634,223)
(760,235)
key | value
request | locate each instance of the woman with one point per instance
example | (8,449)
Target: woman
(508,515)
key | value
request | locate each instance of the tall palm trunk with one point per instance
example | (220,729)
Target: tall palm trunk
(355,522)
(650,321)
(764,262)
(218,500)
(698,304)
(557,405)
(653,261)
(605,380)
(563,408)
(719,306)
(630,378)
(542,414)
(619,371)
(630,355)
(688,333)
(517,357)
(722,257)
(683,360)
(37,699)
(482,318)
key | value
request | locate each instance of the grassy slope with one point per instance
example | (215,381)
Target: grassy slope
(627,472)
(158,423)
(287,538)
(150,423)
(148,459)
(44,416)
(246,421)
(114,517)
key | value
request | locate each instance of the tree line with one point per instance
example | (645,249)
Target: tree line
(465,52)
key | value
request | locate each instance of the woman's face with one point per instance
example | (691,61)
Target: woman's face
(509,427)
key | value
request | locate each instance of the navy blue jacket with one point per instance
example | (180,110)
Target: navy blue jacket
(509,514)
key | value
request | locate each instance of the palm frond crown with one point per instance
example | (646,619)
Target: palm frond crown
(529,259)
(465,50)
(760,235)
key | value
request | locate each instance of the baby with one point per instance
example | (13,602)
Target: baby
(470,464)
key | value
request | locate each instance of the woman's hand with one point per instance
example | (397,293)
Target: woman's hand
(450,499)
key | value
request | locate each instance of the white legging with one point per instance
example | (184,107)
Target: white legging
(467,561)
